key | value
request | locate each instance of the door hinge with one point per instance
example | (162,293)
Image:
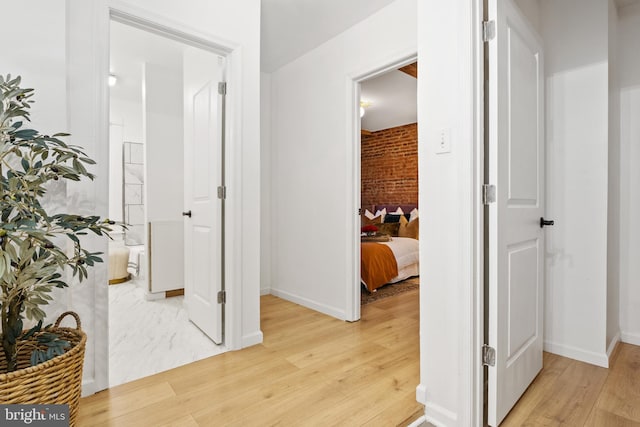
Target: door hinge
(222,297)
(222,88)
(488,355)
(488,194)
(488,30)
(222,192)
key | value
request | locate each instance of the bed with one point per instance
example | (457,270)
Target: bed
(384,262)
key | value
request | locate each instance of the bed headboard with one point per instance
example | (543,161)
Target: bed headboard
(406,208)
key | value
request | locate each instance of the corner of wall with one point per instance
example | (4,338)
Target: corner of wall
(307,302)
(586,356)
(612,346)
(266,232)
(252,339)
(439,416)
(630,338)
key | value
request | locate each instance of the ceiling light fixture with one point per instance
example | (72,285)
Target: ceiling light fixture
(112,80)
(363,105)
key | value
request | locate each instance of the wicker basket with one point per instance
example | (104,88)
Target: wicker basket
(56,381)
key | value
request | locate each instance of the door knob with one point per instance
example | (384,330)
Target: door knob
(544,222)
(187,213)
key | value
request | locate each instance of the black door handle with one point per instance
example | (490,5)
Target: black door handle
(544,222)
(187,213)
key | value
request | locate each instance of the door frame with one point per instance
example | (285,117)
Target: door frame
(353,286)
(150,22)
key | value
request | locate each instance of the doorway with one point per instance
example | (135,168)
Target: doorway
(360,105)
(389,184)
(162,112)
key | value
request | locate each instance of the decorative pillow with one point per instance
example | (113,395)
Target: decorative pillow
(382,213)
(414,214)
(389,228)
(368,214)
(392,217)
(398,211)
(373,221)
(409,228)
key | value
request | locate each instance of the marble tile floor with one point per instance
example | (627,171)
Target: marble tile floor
(147,337)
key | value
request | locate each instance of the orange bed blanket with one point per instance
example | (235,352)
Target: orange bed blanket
(377,265)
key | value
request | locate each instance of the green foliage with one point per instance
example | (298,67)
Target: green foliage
(52,342)
(36,246)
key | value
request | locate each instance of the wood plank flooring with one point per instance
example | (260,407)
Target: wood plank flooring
(318,371)
(572,393)
(310,370)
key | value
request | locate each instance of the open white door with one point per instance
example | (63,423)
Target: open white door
(204,173)
(516,238)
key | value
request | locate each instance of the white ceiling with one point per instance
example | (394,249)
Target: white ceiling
(393,97)
(130,49)
(289,28)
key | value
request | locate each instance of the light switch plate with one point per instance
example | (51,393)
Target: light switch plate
(443,141)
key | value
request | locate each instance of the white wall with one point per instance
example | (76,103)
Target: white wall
(163,130)
(127,113)
(41,64)
(530,9)
(629,78)
(164,143)
(125,117)
(312,156)
(449,98)
(577,177)
(265,183)
(116,173)
(613,203)
(70,67)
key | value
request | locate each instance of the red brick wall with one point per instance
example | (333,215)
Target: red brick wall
(389,166)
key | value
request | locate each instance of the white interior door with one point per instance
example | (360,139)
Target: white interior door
(516,239)
(203,175)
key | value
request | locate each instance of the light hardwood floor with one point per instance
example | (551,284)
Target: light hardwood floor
(318,371)
(310,370)
(572,393)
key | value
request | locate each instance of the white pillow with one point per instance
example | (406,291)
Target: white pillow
(381,213)
(368,214)
(398,211)
(414,214)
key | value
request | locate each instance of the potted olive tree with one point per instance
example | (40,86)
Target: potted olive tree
(38,249)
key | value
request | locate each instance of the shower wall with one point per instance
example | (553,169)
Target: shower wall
(133,159)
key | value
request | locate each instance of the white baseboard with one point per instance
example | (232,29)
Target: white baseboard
(419,422)
(439,416)
(598,359)
(434,414)
(630,338)
(305,302)
(612,346)
(154,296)
(421,394)
(252,339)
(88,388)
(265,291)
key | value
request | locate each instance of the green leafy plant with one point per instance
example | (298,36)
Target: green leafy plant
(35,246)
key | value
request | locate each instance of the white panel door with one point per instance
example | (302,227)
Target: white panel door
(203,174)
(516,239)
